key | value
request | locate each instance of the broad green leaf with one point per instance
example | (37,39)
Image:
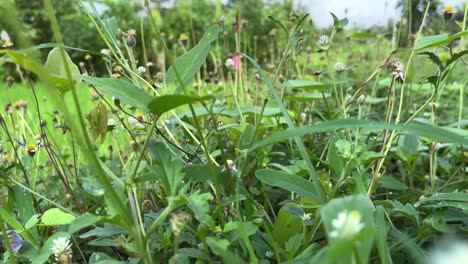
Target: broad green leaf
(363,35)
(293,244)
(391,183)
(55,216)
(437,40)
(165,103)
(289,182)
(342,246)
(101,258)
(200,206)
(127,92)
(306,85)
(418,129)
(286,225)
(57,67)
(31,64)
(339,23)
(82,221)
(187,65)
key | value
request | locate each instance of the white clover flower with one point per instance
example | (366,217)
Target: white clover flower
(322,41)
(141,70)
(452,252)
(229,64)
(339,67)
(61,248)
(111,122)
(306,217)
(106,52)
(347,225)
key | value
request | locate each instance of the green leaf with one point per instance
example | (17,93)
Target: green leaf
(381,236)
(57,67)
(286,225)
(389,182)
(456,56)
(363,35)
(165,103)
(168,169)
(418,129)
(98,118)
(406,209)
(290,182)
(30,64)
(220,248)
(437,40)
(293,245)
(342,247)
(127,92)
(306,85)
(187,65)
(434,58)
(279,24)
(339,23)
(82,221)
(446,197)
(200,206)
(55,216)
(101,258)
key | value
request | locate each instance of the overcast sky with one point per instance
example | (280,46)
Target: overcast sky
(361,13)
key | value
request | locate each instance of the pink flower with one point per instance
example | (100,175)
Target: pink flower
(236,60)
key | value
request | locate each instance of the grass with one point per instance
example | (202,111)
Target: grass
(324,149)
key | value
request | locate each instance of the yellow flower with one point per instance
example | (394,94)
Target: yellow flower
(31,149)
(448,12)
(116,75)
(183,37)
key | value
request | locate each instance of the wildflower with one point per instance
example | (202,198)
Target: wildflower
(448,12)
(347,225)
(7,44)
(244,23)
(116,75)
(236,61)
(450,252)
(140,116)
(131,40)
(269,254)
(106,52)
(61,248)
(159,76)
(88,57)
(31,149)
(397,68)
(15,241)
(229,64)
(178,222)
(231,165)
(82,64)
(340,67)
(322,42)
(306,217)
(183,39)
(141,70)
(111,122)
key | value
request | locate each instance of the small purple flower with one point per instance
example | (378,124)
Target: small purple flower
(16,241)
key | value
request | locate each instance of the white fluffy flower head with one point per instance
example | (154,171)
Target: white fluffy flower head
(229,63)
(347,224)
(322,40)
(340,67)
(61,246)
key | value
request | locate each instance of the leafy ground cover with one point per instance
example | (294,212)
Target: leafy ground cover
(339,147)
